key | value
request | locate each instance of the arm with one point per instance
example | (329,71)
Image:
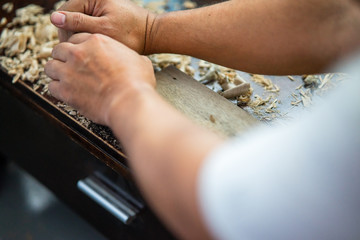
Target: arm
(165,152)
(165,149)
(269,37)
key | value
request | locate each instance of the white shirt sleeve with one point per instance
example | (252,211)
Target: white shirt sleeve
(300,181)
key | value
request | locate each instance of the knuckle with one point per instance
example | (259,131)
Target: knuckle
(51,88)
(65,75)
(55,51)
(48,67)
(97,37)
(73,37)
(107,27)
(77,54)
(54,91)
(58,49)
(65,94)
(97,40)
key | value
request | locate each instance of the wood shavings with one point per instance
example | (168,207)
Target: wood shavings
(156,6)
(209,76)
(275,90)
(228,77)
(74,113)
(102,131)
(271,108)
(311,81)
(297,100)
(300,86)
(258,101)
(342,76)
(244,99)
(266,83)
(236,91)
(263,108)
(28,15)
(3,21)
(313,84)
(190,70)
(181,62)
(291,78)
(294,96)
(189,4)
(306,97)
(233,85)
(27,43)
(325,80)
(204,65)
(8,7)
(296,103)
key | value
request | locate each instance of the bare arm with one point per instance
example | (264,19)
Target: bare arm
(258,36)
(165,149)
(261,36)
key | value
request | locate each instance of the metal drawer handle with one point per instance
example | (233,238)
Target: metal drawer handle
(110,200)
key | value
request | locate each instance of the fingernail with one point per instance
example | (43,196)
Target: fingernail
(58,18)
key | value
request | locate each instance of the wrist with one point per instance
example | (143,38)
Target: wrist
(123,103)
(167,33)
(153,22)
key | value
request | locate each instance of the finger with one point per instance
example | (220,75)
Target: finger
(55,69)
(54,89)
(79,38)
(58,91)
(74,6)
(61,51)
(64,35)
(75,21)
(58,19)
(71,6)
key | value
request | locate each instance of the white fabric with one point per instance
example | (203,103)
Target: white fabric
(300,181)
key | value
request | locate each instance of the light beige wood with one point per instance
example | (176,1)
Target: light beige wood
(202,105)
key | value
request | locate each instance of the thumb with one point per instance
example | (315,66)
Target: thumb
(75,21)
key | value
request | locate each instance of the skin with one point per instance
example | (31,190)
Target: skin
(112,84)
(108,18)
(121,95)
(269,37)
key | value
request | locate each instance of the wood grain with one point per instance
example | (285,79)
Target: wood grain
(202,105)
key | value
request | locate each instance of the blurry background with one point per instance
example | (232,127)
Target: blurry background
(29,211)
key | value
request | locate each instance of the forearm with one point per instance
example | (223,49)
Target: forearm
(269,37)
(165,151)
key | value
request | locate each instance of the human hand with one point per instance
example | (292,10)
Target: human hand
(93,72)
(122,20)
